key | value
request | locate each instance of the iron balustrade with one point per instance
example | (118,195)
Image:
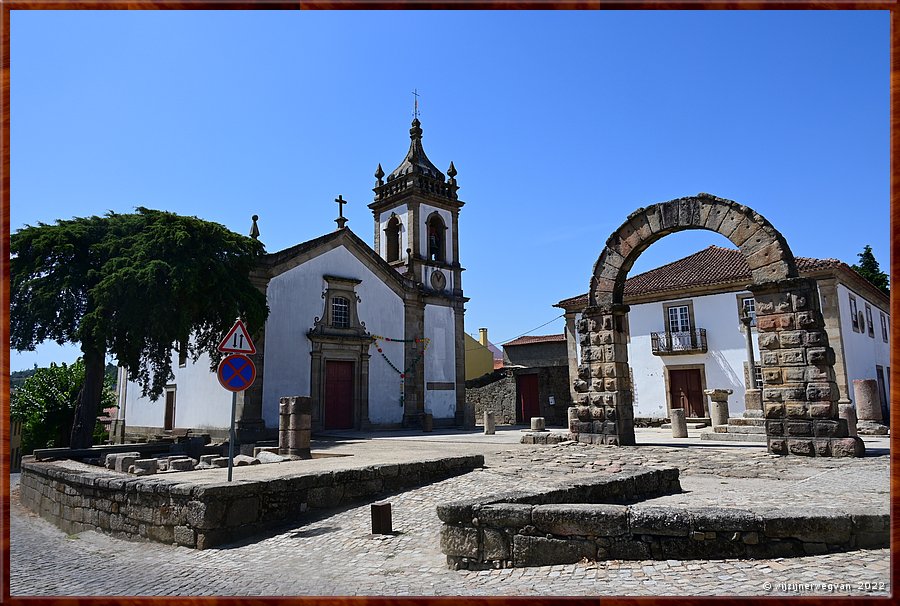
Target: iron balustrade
(691,341)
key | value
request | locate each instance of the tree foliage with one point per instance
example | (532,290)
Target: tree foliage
(134,285)
(869,269)
(45,404)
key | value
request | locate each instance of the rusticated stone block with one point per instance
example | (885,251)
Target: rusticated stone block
(772,376)
(712,214)
(665,521)
(826,429)
(496,545)
(769,358)
(808,320)
(773,411)
(580,519)
(820,355)
(598,413)
(769,340)
(583,413)
(793,392)
(777,446)
(767,255)
(798,428)
(461,542)
(821,411)
(815,338)
(766,323)
(791,338)
(819,373)
(818,392)
(503,515)
(822,447)
(801,301)
(792,374)
(582,399)
(801,447)
(792,357)
(597,385)
(847,447)
(580,426)
(597,399)
(774,428)
(584,372)
(598,427)
(772,394)
(611,414)
(822,526)
(185,535)
(581,386)
(796,410)
(745,230)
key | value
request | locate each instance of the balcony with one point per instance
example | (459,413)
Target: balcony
(673,343)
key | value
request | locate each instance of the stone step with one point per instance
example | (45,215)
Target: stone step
(689,425)
(752,414)
(743,429)
(742,421)
(733,437)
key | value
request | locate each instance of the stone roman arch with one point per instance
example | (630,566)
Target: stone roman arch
(799,392)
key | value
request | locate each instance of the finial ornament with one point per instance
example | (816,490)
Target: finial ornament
(341,220)
(379,173)
(451,172)
(254,229)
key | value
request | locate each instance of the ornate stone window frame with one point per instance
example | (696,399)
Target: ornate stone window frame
(345,344)
(441,256)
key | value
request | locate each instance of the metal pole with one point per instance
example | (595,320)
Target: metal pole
(231,439)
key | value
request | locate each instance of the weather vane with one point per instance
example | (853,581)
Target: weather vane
(416,103)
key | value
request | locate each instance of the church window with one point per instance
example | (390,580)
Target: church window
(340,312)
(854,315)
(392,237)
(436,238)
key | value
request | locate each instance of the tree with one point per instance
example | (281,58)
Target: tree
(134,285)
(868,268)
(45,404)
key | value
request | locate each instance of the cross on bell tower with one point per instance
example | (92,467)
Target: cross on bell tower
(341,220)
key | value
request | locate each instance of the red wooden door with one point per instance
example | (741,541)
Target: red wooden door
(527,386)
(338,412)
(686,391)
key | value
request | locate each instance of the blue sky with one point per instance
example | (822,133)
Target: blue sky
(559,123)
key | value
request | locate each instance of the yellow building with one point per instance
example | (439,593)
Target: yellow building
(479,358)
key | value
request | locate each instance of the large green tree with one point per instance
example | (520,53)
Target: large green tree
(135,286)
(869,269)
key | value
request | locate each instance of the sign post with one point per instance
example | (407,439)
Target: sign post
(236,373)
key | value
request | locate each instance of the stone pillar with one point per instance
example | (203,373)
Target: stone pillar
(414,382)
(603,386)
(679,425)
(572,351)
(459,336)
(718,409)
(868,402)
(489,425)
(799,390)
(848,412)
(295,426)
(752,396)
(537,424)
(468,416)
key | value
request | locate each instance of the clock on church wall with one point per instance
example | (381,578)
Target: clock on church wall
(438,280)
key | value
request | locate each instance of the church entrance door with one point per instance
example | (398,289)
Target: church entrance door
(527,386)
(338,395)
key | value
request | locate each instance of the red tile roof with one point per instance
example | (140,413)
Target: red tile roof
(708,267)
(561,338)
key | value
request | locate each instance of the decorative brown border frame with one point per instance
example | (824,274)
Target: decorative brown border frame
(9,5)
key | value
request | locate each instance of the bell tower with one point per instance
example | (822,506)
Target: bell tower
(416,211)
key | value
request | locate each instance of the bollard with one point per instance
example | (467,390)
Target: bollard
(718,413)
(427,422)
(489,426)
(848,411)
(537,424)
(868,402)
(381,518)
(283,420)
(679,425)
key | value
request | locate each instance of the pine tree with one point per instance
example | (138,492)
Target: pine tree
(868,268)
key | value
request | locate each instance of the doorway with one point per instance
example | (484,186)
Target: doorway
(169,421)
(338,413)
(529,406)
(686,392)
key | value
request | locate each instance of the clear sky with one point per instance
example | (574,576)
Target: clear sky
(559,123)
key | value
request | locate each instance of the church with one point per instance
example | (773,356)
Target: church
(373,335)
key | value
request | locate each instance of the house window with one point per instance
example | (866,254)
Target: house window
(182,354)
(392,239)
(884,328)
(436,238)
(748,309)
(757,379)
(870,324)
(854,314)
(679,318)
(340,312)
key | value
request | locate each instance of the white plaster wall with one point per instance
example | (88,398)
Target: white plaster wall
(723,362)
(862,352)
(402,213)
(424,212)
(295,300)
(440,360)
(200,401)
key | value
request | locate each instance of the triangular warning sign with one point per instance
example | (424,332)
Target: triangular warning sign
(237,340)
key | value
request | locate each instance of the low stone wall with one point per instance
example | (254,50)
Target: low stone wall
(171,509)
(562,527)
(494,392)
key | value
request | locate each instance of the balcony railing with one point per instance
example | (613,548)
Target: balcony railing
(665,343)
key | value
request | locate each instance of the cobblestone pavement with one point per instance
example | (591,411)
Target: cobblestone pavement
(334,553)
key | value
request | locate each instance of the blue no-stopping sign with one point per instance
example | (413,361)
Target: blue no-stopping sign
(236,373)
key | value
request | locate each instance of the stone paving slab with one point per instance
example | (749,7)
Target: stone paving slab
(335,554)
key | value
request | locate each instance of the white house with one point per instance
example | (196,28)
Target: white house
(373,335)
(685,334)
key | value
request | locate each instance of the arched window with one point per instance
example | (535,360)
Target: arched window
(392,239)
(340,312)
(436,238)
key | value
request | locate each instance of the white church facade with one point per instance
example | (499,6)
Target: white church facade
(373,335)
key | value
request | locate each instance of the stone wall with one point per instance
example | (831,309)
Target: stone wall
(564,527)
(551,353)
(495,392)
(170,509)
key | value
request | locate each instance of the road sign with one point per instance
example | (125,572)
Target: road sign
(237,341)
(236,373)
